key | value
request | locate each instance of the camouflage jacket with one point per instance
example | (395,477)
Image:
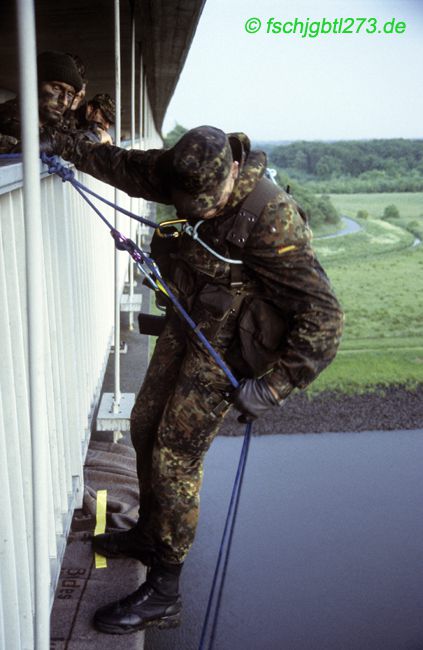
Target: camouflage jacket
(7,143)
(278,259)
(10,125)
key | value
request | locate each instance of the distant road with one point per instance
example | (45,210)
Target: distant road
(350,226)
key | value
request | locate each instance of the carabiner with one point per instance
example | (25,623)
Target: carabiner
(166,224)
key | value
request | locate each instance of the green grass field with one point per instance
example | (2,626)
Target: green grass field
(409,204)
(378,276)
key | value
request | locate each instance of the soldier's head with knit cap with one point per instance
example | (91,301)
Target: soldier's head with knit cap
(58,81)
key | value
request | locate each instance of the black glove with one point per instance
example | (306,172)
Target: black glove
(253,397)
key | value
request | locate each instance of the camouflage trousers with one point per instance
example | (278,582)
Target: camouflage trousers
(177,413)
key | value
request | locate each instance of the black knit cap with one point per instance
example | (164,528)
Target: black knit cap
(58,66)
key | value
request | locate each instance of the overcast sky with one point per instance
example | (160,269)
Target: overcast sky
(285,87)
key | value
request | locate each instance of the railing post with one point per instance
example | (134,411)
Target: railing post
(131,263)
(114,410)
(35,310)
(144,104)
(117,393)
(141,134)
(141,104)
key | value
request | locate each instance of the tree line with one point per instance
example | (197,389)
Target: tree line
(353,165)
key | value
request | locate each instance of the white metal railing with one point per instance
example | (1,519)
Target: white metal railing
(77,309)
(57,318)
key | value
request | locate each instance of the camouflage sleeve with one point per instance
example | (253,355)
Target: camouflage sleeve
(10,123)
(135,172)
(7,143)
(280,254)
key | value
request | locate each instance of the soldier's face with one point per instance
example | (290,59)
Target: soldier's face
(226,193)
(54,98)
(78,98)
(96,115)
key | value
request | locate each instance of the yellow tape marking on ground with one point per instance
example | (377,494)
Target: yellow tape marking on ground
(100,525)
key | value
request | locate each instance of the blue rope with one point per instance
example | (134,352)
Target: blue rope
(56,167)
(227,533)
(10,156)
(138,255)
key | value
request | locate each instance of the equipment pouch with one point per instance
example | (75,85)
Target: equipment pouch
(151,324)
(212,306)
(214,301)
(261,335)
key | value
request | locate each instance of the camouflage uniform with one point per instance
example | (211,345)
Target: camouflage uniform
(10,125)
(185,394)
(75,120)
(7,143)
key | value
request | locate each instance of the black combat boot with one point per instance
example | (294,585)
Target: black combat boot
(126,543)
(156,603)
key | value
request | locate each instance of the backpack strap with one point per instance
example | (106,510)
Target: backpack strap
(250,211)
(245,220)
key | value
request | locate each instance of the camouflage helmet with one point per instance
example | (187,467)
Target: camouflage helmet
(201,163)
(106,104)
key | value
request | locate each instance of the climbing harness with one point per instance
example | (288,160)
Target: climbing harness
(191,231)
(156,280)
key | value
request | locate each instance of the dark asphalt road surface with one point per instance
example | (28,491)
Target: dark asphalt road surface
(328,548)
